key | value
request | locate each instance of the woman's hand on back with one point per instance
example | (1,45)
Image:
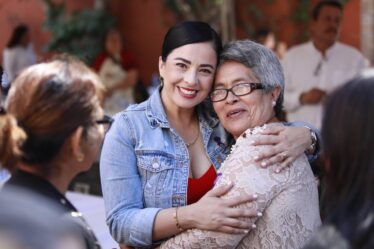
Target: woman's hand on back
(216,214)
(288,142)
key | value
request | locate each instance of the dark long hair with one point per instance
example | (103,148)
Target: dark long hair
(17,35)
(348,140)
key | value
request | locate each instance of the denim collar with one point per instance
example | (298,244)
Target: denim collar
(157,117)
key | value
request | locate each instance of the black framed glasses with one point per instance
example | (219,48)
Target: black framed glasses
(238,90)
(106,121)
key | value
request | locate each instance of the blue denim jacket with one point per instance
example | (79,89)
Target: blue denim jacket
(144,167)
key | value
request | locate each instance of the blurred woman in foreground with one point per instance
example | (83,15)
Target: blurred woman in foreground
(348,141)
(51,129)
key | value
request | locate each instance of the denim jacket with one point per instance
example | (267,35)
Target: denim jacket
(144,167)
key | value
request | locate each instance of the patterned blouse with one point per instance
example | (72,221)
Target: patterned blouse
(288,201)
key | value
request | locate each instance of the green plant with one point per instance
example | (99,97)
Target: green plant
(80,33)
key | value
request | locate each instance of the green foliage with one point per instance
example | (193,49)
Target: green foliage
(202,10)
(80,34)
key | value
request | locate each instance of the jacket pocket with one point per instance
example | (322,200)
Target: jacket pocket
(157,170)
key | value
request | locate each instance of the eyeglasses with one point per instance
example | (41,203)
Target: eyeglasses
(106,121)
(238,90)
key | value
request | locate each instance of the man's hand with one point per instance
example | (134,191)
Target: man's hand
(312,97)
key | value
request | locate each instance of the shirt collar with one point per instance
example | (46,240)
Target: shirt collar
(329,51)
(39,185)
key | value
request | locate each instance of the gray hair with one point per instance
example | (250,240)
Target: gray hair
(263,63)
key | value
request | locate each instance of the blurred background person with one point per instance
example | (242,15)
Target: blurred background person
(19,52)
(117,69)
(267,38)
(348,141)
(51,130)
(317,67)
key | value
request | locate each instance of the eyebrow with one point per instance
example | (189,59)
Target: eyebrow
(220,84)
(189,62)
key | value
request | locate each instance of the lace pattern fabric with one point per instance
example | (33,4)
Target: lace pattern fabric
(288,201)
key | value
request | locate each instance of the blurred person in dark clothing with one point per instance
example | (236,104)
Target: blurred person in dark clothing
(348,141)
(28,220)
(51,129)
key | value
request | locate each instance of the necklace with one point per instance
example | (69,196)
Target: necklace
(194,141)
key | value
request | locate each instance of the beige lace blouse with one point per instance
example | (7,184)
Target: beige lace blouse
(288,201)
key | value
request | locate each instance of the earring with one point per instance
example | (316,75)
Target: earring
(161,81)
(274,103)
(80,158)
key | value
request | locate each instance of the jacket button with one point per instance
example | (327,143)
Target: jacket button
(155,165)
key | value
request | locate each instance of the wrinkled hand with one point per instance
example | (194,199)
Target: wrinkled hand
(216,214)
(288,144)
(312,97)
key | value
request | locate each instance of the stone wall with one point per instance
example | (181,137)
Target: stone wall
(367,29)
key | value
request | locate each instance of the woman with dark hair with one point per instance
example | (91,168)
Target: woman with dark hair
(19,52)
(160,157)
(51,129)
(348,149)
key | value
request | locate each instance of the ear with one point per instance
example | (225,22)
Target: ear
(76,142)
(275,93)
(161,66)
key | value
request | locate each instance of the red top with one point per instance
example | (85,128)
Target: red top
(199,186)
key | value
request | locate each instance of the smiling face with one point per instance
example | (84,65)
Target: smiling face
(237,114)
(188,74)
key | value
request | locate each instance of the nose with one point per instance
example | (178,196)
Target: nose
(190,77)
(231,98)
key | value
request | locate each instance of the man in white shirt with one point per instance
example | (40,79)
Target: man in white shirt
(315,68)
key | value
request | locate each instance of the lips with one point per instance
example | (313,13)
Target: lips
(235,113)
(187,92)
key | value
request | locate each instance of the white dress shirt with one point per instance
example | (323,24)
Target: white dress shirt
(305,68)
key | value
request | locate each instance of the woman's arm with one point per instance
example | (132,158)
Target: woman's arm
(288,143)
(132,223)
(209,213)
(239,167)
(128,220)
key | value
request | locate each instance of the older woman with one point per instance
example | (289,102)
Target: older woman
(51,130)
(248,96)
